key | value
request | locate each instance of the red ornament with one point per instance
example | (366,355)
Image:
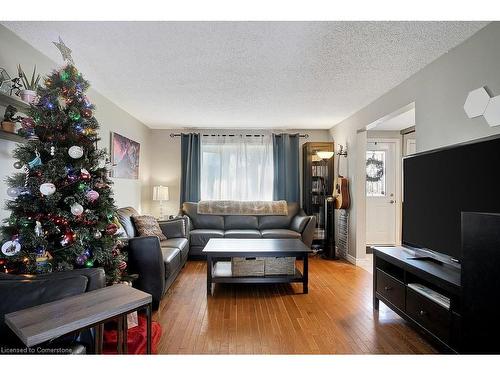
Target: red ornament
(85,175)
(111,229)
(122,265)
(68,238)
(86,112)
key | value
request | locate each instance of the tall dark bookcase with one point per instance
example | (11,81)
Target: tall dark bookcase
(317,174)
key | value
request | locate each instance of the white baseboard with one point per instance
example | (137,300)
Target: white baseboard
(356,261)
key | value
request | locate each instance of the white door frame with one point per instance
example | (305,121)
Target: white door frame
(399,179)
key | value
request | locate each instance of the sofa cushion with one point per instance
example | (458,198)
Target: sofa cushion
(171,258)
(202,221)
(279,233)
(242,233)
(125,217)
(147,225)
(279,222)
(240,222)
(200,237)
(179,243)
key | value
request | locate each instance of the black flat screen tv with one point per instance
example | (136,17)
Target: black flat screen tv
(438,185)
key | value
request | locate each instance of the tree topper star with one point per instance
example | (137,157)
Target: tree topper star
(65,51)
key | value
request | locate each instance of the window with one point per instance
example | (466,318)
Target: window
(375,173)
(236,168)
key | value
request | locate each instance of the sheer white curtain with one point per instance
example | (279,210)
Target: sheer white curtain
(237,168)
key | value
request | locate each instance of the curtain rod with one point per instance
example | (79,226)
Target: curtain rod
(233,135)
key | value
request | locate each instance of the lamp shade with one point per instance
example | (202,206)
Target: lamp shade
(160,193)
(324,154)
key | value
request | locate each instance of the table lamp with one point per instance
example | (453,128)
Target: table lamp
(160,193)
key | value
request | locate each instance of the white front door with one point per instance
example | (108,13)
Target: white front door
(381,193)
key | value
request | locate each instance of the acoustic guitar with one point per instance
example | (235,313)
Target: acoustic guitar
(342,199)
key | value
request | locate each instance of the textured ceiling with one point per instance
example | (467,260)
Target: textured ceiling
(246,74)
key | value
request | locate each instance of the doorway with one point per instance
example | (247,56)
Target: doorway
(382,191)
(388,140)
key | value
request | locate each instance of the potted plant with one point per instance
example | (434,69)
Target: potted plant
(28,94)
(10,119)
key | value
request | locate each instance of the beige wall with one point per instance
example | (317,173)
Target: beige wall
(166,160)
(439,91)
(13,51)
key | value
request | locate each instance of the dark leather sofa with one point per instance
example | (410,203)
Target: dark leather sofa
(18,292)
(202,227)
(157,262)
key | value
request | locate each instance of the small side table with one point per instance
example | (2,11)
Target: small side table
(38,324)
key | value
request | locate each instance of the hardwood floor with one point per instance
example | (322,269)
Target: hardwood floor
(335,317)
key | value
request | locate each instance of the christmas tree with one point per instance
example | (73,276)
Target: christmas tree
(62,209)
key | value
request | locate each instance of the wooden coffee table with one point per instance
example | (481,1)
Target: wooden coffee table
(218,248)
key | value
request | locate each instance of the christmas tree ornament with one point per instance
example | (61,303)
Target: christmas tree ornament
(122,266)
(27,123)
(74,115)
(11,248)
(82,186)
(97,235)
(87,113)
(86,102)
(40,250)
(18,165)
(111,229)
(76,152)
(85,174)
(24,222)
(47,188)
(37,161)
(76,209)
(92,195)
(43,263)
(89,263)
(62,102)
(80,260)
(59,220)
(38,229)
(87,253)
(68,238)
(52,150)
(48,82)
(78,127)
(13,192)
(64,75)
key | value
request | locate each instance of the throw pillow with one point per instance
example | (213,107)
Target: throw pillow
(147,225)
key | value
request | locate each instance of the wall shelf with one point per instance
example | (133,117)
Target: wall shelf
(11,136)
(6,100)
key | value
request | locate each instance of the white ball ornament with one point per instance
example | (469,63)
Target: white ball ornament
(10,248)
(76,152)
(76,209)
(47,188)
(13,192)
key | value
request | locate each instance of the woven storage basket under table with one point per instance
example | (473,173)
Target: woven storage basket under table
(279,266)
(241,266)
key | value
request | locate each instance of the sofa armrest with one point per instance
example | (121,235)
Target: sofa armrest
(145,258)
(174,228)
(308,232)
(299,223)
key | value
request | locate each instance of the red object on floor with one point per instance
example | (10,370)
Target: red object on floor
(136,338)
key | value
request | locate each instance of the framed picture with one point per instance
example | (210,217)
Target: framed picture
(124,157)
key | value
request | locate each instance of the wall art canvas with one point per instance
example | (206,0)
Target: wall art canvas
(124,157)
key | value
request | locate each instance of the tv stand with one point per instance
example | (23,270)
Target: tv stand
(427,258)
(395,268)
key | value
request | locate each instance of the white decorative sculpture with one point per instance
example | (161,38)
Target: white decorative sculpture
(476,102)
(492,112)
